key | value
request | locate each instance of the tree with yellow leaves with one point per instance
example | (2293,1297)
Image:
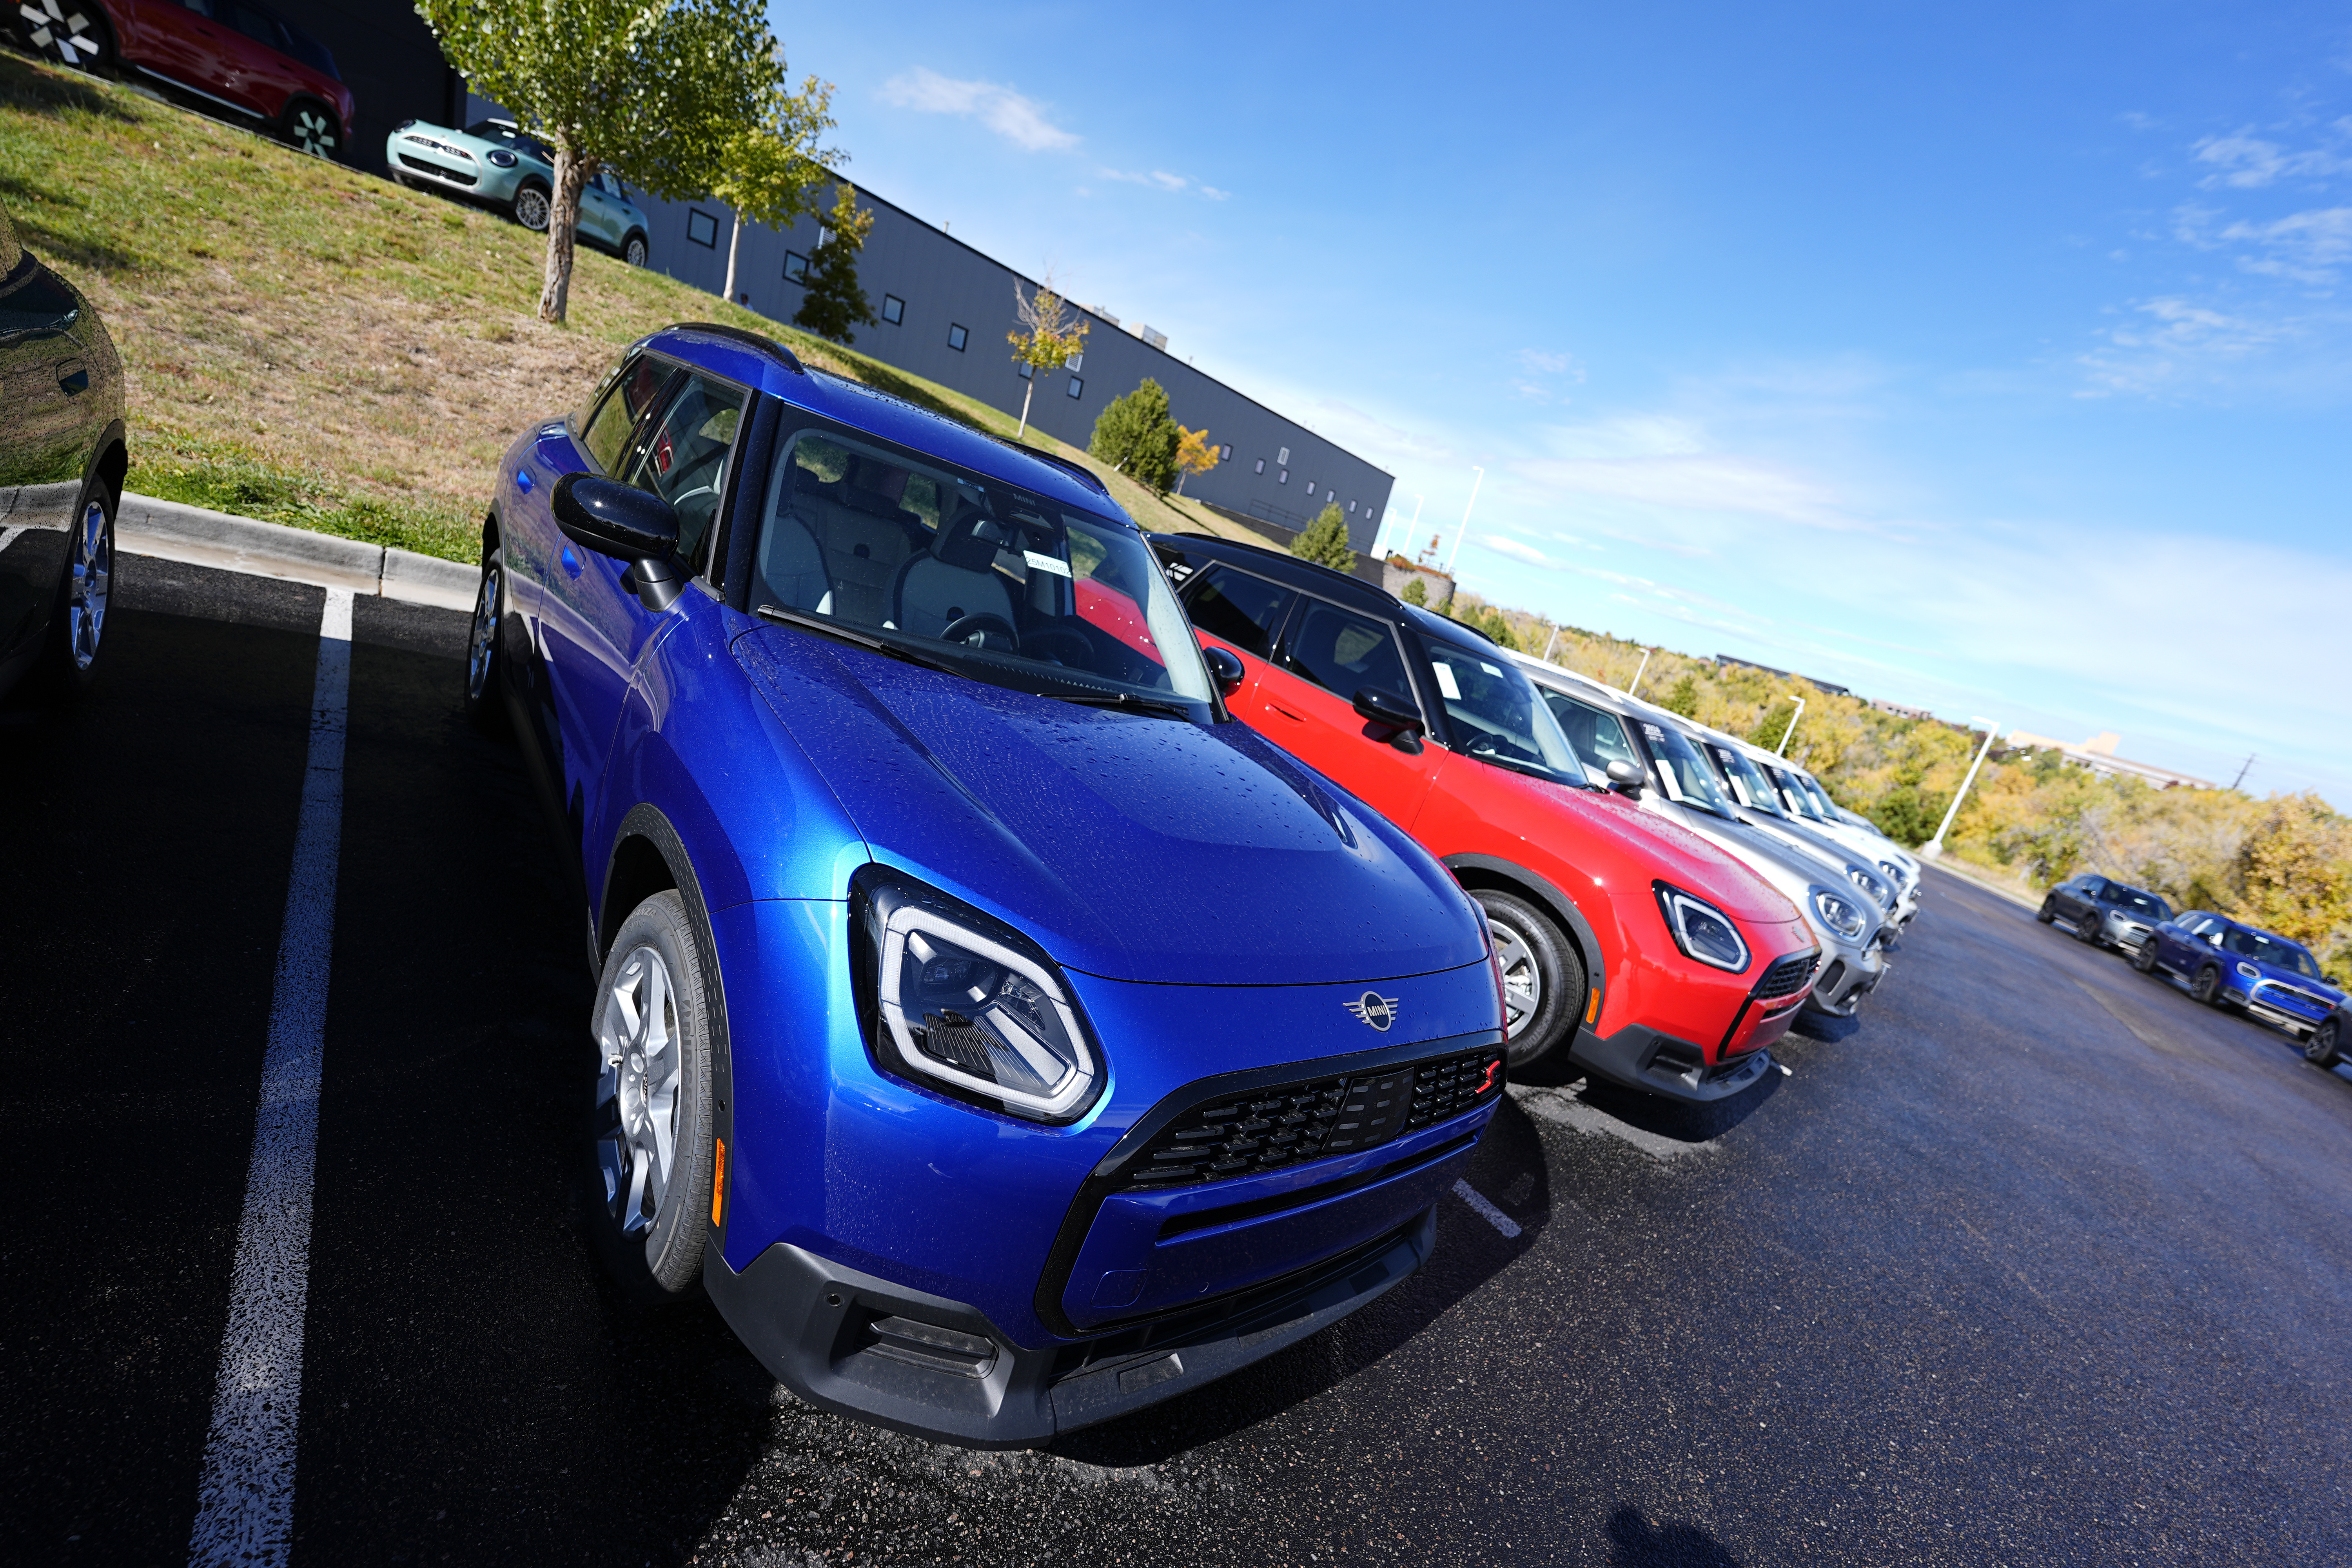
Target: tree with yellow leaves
(1051,334)
(1194,455)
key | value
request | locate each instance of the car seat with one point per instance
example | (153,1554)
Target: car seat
(861,534)
(955,577)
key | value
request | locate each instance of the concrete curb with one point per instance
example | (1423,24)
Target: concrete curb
(170,530)
(1985,884)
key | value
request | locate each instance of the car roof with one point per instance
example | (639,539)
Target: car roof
(756,360)
(1294,572)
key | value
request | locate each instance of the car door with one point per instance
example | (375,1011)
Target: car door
(178,39)
(596,211)
(1245,613)
(602,629)
(1326,655)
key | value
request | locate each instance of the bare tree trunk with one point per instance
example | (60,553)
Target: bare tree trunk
(555,285)
(1024,406)
(734,245)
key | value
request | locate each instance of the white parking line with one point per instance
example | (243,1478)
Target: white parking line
(245,1501)
(1493,1216)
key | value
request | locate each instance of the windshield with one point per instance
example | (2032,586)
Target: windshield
(2132,898)
(1820,797)
(1496,716)
(970,571)
(1747,781)
(504,130)
(1688,778)
(2271,949)
(1793,795)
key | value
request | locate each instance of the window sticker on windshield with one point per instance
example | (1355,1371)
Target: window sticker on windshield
(1046,563)
(1445,682)
(1491,670)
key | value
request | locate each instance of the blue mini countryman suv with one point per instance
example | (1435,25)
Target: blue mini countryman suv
(1003,1037)
(2229,964)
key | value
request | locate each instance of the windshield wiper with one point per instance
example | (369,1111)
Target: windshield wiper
(1171,706)
(825,625)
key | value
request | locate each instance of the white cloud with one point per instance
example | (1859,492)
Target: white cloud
(1516,551)
(1539,363)
(2185,342)
(1020,120)
(2245,162)
(1160,179)
(2307,246)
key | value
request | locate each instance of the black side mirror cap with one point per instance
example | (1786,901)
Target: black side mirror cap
(627,524)
(1224,668)
(1383,706)
(1626,778)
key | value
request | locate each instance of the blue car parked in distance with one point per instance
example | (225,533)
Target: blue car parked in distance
(2227,963)
(1003,1037)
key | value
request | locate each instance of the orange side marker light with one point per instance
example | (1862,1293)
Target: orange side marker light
(717,1182)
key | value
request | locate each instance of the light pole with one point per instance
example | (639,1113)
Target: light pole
(1935,847)
(1458,538)
(1782,749)
(1637,673)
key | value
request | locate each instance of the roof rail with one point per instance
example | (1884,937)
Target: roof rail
(1297,563)
(749,339)
(1078,472)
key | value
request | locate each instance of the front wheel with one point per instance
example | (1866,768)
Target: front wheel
(634,250)
(2207,987)
(78,619)
(2045,914)
(1543,978)
(2144,955)
(652,1126)
(2321,1050)
(312,127)
(484,708)
(71,32)
(531,208)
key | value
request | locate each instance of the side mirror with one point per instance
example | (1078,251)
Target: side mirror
(1626,778)
(1384,707)
(627,524)
(1224,668)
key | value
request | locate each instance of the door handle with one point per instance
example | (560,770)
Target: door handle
(1285,712)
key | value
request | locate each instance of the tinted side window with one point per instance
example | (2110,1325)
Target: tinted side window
(1597,736)
(684,457)
(634,390)
(1343,652)
(1242,610)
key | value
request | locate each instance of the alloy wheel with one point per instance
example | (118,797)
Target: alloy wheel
(2208,985)
(2319,1050)
(637,1090)
(530,209)
(314,131)
(91,584)
(1522,976)
(62,28)
(482,646)
(635,255)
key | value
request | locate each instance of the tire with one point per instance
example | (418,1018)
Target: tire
(2207,987)
(2087,929)
(78,618)
(485,702)
(532,206)
(2321,1050)
(309,126)
(634,249)
(2045,914)
(651,1130)
(1543,978)
(72,33)
(2144,956)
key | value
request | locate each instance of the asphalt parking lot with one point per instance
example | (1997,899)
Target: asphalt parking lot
(2042,1263)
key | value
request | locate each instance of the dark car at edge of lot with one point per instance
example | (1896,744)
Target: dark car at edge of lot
(2102,912)
(62,458)
(2227,963)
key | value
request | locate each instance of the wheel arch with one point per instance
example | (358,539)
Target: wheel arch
(1492,874)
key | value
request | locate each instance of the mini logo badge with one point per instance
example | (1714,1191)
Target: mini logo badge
(1375,1009)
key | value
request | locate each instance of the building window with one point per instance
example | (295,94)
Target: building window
(701,227)
(955,337)
(1283,455)
(1078,387)
(1225,453)
(1285,478)
(1077,360)
(1022,368)
(1352,508)
(894,309)
(1261,465)
(795,266)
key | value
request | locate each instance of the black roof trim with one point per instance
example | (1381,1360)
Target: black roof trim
(748,338)
(1078,472)
(1331,584)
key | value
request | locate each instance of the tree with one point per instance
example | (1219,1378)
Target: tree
(1135,435)
(1325,540)
(1051,333)
(1194,455)
(1684,698)
(1416,592)
(2295,867)
(656,90)
(835,303)
(768,172)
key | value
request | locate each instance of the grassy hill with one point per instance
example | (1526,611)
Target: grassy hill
(312,345)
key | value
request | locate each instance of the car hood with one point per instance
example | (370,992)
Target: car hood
(1672,853)
(2332,994)
(1128,845)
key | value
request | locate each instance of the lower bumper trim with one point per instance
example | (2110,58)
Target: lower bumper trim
(1641,1058)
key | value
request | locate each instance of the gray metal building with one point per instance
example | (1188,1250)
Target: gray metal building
(946,310)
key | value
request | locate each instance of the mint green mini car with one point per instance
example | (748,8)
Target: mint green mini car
(497,164)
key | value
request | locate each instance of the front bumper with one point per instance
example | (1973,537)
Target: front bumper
(858,1345)
(1846,978)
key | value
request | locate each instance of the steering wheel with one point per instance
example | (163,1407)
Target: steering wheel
(1074,651)
(989,633)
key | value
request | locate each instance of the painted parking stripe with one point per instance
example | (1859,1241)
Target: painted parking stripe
(245,1501)
(1493,1216)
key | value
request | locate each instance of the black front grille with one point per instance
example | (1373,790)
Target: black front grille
(1787,977)
(436,170)
(1234,1135)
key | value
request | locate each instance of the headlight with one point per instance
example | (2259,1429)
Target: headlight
(1871,885)
(1840,914)
(967,1004)
(2250,972)
(1700,929)
(1894,872)
(501,157)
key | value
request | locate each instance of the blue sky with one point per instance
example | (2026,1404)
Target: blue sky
(1997,361)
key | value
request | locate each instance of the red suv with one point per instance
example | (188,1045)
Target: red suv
(232,54)
(1647,954)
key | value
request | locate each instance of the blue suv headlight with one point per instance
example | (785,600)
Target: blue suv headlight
(965,1005)
(2250,972)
